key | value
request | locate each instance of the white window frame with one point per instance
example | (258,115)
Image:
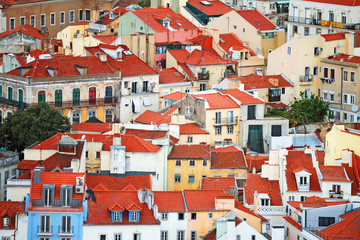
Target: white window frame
(54,23)
(191,214)
(164,216)
(40,223)
(176,163)
(11,28)
(71,12)
(190,163)
(116,216)
(43,25)
(81,16)
(67,218)
(33,16)
(86,20)
(134,215)
(22,17)
(63,19)
(331,94)
(189,139)
(6,222)
(347,76)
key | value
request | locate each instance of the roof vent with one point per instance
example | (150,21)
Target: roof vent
(258,23)
(206,3)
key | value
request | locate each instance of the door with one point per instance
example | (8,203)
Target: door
(255,138)
(296,14)
(307,15)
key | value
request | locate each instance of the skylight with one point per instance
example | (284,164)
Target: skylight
(206,3)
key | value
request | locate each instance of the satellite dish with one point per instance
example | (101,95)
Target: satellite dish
(354,108)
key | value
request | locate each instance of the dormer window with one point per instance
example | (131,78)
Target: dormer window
(6,221)
(48,194)
(66,195)
(302,179)
(116,216)
(265,202)
(166,23)
(134,216)
(118,54)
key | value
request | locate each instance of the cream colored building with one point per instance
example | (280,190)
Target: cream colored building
(261,35)
(69,33)
(80,42)
(299,59)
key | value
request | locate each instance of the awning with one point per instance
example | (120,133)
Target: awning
(136,104)
(146,101)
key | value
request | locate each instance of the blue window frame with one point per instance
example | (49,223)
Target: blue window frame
(134,216)
(116,216)
(117,236)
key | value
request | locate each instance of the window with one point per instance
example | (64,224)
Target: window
(137,236)
(45,223)
(164,235)
(210,215)
(20,95)
(331,16)
(291,198)
(108,116)
(332,73)
(58,98)
(345,76)
(204,163)
(12,23)
(62,17)
(288,50)
(265,202)
(202,86)
(66,195)
(191,178)
(303,180)
(102,237)
(352,99)
(192,163)
(22,21)
(76,117)
(325,96)
(251,112)
(217,130)
(117,216)
(217,117)
(326,221)
(180,235)
(164,216)
(318,31)
(134,87)
(253,237)
(230,129)
(303,198)
(306,31)
(230,117)
(52,18)
(48,194)
(66,224)
(71,16)
(177,178)
(345,98)
(42,20)
(181,216)
(276,130)
(134,216)
(87,15)
(295,29)
(1,91)
(238,237)
(316,51)
(326,72)
(98,154)
(193,235)
(161,49)
(187,111)
(76,97)
(10,93)
(352,77)
(87,154)
(189,139)
(178,163)
(315,70)
(145,86)
(343,18)
(117,236)
(81,15)
(6,221)
(92,95)
(193,216)
(332,97)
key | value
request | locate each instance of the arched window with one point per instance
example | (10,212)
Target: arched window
(21,95)
(10,93)
(108,116)
(58,98)
(108,94)
(41,96)
(91,113)
(76,97)
(92,95)
(76,117)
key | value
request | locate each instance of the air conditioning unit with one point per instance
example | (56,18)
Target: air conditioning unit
(79,189)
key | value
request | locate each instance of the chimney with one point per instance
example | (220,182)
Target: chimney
(241,86)
(37,178)
(256,93)
(230,229)
(256,202)
(75,164)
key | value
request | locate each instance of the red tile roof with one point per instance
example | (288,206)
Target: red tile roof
(25,29)
(348,228)
(255,161)
(169,201)
(241,207)
(202,200)
(227,157)
(255,182)
(333,173)
(244,97)
(117,11)
(277,105)
(171,75)
(157,118)
(338,2)
(191,128)
(254,81)
(333,36)
(256,19)
(174,96)
(217,8)
(107,39)
(314,202)
(136,144)
(292,222)
(65,65)
(346,58)
(350,172)
(9,209)
(99,213)
(153,17)
(294,160)
(218,100)
(218,183)
(230,40)
(92,127)
(146,134)
(57,179)
(210,235)
(130,65)
(118,183)
(194,151)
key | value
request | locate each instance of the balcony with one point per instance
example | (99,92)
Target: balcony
(323,23)
(306,80)
(225,121)
(83,103)
(335,194)
(204,76)
(271,209)
(17,104)
(44,231)
(274,98)
(67,232)
(304,187)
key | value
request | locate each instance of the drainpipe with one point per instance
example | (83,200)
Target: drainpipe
(342,76)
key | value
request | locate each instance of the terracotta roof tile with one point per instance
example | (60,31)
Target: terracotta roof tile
(26,29)
(107,39)
(255,161)
(217,8)
(351,174)
(169,201)
(191,128)
(314,202)
(230,40)
(346,58)
(99,213)
(218,100)
(106,19)
(244,97)
(256,19)
(151,117)
(218,183)
(202,200)
(227,157)
(174,96)
(118,183)
(10,209)
(171,75)
(146,134)
(292,222)
(255,182)
(194,151)
(92,127)
(241,207)
(254,81)
(333,36)
(333,173)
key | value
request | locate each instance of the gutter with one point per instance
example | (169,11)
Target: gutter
(182,192)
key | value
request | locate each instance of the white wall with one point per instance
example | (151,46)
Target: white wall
(172,225)
(245,231)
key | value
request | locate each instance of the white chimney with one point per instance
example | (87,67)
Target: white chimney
(230,229)
(256,202)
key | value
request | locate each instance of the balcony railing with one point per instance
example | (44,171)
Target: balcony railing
(304,187)
(62,231)
(323,23)
(204,76)
(335,194)
(225,121)
(83,103)
(43,231)
(307,79)
(271,209)
(274,98)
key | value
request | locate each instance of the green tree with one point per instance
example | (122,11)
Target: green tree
(24,128)
(144,3)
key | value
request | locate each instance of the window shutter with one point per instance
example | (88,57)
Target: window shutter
(120,216)
(112,216)
(138,216)
(129,215)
